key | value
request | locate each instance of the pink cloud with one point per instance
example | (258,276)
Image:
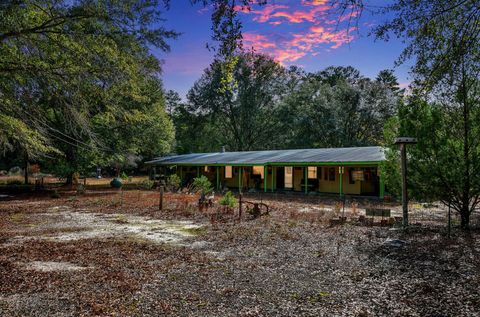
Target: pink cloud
(317,31)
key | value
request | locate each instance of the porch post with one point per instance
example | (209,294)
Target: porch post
(239,179)
(218,178)
(305,172)
(382,182)
(265,174)
(273,178)
(340,172)
(198,171)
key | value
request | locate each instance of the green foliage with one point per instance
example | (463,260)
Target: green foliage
(124,176)
(67,68)
(147,184)
(202,184)
(173,182)
(228,200)
(332,108)
(14,182)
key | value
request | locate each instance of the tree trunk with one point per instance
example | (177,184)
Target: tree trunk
(26,169)
(465,218)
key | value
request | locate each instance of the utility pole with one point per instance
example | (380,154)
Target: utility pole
(403,141)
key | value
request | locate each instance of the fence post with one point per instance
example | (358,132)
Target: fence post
(160,203)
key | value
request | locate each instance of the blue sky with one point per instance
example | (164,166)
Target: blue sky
(296,32)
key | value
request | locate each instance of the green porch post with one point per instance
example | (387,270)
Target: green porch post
(305,172)
(239,179)
(382,183)
(273,178)
(265,174)
(218,178)
(340,172)
(198,171)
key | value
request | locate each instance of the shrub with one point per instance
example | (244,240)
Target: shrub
(173,182)
(116,183)
(228,200)
(147,184)
(202,184)
(124,176)
(14,182)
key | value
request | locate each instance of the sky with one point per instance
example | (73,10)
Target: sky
(293,32)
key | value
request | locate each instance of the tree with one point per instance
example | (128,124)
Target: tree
(63,63)
(443,37)
(244,115)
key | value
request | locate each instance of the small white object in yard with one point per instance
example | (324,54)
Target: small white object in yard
(211,196)
(395,243)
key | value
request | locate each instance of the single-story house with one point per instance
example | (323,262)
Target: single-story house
(351,171)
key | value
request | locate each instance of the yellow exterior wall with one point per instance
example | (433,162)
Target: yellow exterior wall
(348,188)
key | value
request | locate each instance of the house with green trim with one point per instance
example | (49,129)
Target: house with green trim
(350,171)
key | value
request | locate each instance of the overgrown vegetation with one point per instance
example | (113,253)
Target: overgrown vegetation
(228,200)
(202,185)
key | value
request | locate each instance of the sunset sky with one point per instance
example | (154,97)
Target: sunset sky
(294,32)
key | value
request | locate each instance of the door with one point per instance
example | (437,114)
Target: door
(280,177)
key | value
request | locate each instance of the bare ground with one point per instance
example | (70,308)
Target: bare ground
(114,254)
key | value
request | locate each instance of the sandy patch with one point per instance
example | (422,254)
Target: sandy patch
(70,225)
(51,266)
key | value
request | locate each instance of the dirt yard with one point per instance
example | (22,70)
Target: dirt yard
(111,253)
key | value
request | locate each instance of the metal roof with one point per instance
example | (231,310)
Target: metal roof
(327,155)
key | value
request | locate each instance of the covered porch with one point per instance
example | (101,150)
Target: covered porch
(346,179)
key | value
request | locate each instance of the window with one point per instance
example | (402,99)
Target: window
(312,172)
(331,174)
(206,169)
(228,171)
(288,177)
(258,170)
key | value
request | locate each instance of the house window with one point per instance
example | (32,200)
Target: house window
(331,174)
(288,177)
(228,171)
(258,170)
(312,172)
(206,169)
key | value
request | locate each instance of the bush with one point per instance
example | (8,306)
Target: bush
(147,184)
(124,176)
(173,182)
(202,184)
(14,182)
(116,183)
(228,200)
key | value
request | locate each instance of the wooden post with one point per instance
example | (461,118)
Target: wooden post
(403,153)
(239,179)
(403,141)
(160,203)
(218,178)
(340,173)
